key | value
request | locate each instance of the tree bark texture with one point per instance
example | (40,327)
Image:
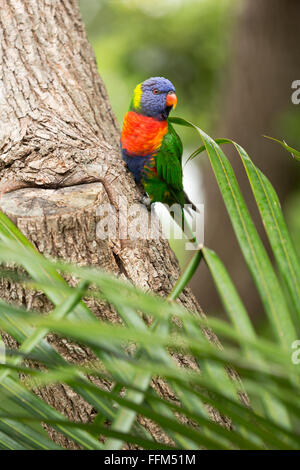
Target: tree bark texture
(60,159)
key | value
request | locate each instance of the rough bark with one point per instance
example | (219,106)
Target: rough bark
(256,94)
(60,159)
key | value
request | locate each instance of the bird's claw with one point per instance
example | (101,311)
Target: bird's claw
(146,201)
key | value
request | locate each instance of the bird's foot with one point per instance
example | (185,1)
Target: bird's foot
(146,201)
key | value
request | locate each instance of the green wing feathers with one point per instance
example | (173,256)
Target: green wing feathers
(166,185)
(168,159)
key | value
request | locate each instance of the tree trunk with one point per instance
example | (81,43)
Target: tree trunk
(60,159)
(256,94)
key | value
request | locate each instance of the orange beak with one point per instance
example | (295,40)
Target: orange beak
(171,100)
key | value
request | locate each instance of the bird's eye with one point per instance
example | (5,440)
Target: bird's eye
(155,91)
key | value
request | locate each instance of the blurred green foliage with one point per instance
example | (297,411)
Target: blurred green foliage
(289,124)
(293,219)
(185,41)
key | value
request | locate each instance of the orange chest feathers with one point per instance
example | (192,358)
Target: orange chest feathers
(142,135)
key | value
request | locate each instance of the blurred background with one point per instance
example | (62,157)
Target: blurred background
(232,63)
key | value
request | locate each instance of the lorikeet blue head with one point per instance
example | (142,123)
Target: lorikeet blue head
(154,97)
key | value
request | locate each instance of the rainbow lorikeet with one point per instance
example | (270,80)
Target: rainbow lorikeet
(150,146)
